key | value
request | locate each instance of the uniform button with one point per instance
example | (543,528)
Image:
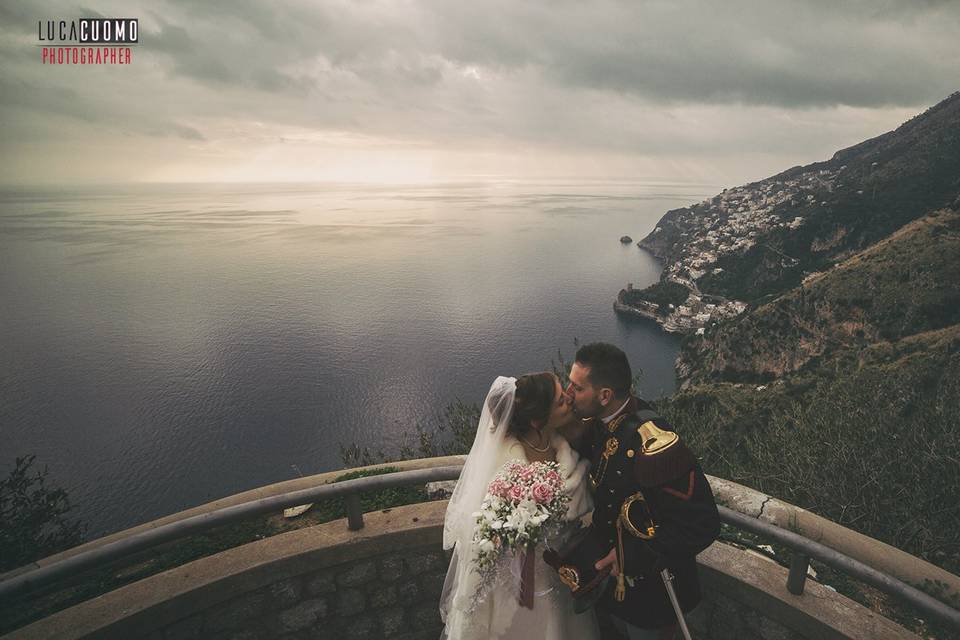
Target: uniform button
(611,490)
(619,473)
(610,540)
(609,506)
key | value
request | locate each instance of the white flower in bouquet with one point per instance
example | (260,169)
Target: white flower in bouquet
(523,507)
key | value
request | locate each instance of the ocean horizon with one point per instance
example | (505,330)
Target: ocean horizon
(165,345)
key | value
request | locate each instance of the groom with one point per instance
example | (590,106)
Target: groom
(653,506)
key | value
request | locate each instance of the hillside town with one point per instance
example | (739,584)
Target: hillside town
(692,316)
(729,223)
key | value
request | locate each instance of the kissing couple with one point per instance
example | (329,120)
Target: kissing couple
(636,510)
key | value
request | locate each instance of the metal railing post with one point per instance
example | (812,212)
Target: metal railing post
(354,511)
(798,573)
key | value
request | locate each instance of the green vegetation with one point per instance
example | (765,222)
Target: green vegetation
(842,395)
(866,438)
(33,516)
(867,450)
(450,433)
(759,272)
(906,284)
(327,510)
(663,293)
(871,445)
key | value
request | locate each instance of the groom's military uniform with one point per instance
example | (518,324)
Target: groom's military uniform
(653,504)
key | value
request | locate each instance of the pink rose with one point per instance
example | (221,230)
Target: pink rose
(498,488)
(553,477)
(526,474)
(542,493)
(516,493)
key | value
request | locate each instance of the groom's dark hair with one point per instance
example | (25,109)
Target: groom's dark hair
(608,367)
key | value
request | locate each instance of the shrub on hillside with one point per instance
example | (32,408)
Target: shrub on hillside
(874,449)
(33,521)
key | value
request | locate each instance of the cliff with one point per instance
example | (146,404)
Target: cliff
(753,243)
(763,238)
(838,383)
(904,285)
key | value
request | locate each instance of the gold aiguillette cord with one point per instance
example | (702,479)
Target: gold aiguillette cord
(621,591)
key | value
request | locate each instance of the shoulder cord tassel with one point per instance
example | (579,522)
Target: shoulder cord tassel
(621,591)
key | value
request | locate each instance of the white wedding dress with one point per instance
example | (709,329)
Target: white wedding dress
(499,614)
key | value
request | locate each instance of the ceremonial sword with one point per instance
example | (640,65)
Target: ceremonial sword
(668,583)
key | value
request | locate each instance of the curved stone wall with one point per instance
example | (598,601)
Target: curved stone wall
(384,581)
(317,582)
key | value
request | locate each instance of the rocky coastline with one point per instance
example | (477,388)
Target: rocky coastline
(692,313)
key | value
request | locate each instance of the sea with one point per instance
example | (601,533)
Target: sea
(165,345)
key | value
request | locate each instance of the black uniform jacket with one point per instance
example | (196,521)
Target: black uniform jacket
(670,490)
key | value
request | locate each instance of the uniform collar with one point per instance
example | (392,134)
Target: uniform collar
(618,411)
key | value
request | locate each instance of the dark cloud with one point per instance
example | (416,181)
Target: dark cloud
(189,58)
(795,54)
(785,53)
(693,77)
(222,53)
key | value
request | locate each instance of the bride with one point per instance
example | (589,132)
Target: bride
(520,420)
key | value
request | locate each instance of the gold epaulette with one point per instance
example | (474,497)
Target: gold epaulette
(654,440)
(664,457)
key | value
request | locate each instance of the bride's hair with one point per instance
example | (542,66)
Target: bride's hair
(535,396)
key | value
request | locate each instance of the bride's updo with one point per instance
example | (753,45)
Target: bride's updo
(535,396)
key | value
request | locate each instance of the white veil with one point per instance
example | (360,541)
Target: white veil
(480,467)
(481,464)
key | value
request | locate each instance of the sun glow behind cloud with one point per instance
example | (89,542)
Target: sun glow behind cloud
(689,143)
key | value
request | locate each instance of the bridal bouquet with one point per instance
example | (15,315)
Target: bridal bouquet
(524,505)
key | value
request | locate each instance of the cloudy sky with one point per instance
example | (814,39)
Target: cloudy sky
(411,90)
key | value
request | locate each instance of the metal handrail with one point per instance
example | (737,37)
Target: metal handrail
(199,523)
(803,547)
